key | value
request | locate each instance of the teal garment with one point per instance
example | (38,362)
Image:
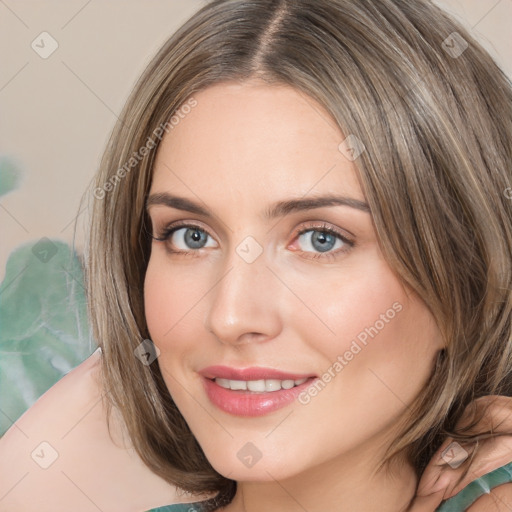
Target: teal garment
(459,503)
(181,507)
(483,485)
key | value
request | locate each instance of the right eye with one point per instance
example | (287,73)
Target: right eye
(186,238)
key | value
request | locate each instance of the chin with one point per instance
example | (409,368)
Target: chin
(246,461)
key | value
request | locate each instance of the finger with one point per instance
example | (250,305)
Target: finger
(427,503)
(437,479)
(494,411)
(429,481)
(477,469)
(492,453)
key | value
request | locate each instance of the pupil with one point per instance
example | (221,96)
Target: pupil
(194,237)
(326,241)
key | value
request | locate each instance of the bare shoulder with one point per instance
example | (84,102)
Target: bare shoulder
(59,455)
(498,500)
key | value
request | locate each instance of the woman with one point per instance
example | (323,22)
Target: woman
(300,264)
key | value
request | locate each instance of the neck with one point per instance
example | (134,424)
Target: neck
(348,483)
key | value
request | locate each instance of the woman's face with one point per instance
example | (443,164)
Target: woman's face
(258,287)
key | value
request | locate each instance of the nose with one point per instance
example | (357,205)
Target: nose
(244,304)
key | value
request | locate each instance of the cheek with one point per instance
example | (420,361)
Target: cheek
(364,301)
(381,345)
(169,298)
(159,301)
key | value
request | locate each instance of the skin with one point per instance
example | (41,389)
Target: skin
(242,148)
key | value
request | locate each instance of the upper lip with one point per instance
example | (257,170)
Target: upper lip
(250,373)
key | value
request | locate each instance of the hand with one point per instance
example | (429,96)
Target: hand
(440,481)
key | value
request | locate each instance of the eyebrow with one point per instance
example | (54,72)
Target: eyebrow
(279,209)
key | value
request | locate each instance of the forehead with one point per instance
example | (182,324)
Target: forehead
(251,138)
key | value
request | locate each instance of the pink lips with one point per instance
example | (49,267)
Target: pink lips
(249,403)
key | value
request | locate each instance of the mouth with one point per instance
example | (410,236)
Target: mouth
(252,391)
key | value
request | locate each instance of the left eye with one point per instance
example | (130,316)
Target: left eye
(321,240)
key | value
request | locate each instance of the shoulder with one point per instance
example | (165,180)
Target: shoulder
(498,500)
(59,455)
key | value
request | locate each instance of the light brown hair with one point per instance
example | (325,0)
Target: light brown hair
(437,128)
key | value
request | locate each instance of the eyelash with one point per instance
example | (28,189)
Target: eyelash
(323,228)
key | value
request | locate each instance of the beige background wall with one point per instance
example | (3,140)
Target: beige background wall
(56,113)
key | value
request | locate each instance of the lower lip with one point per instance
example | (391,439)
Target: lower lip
(249,403)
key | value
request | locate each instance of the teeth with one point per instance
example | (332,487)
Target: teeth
(272,385)
(256,385)
(259,386)
(287,384)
